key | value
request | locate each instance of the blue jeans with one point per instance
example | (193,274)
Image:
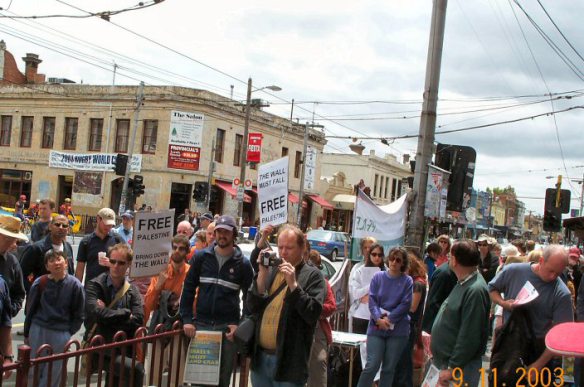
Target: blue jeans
(263,376)
(384,351)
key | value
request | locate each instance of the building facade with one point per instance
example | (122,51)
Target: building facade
(60,141)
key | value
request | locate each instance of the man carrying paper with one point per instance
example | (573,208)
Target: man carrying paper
(553,305)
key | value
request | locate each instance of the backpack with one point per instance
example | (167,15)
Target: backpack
(167,312)
(515,347)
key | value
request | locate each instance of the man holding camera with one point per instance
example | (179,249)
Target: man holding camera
(287,295)
(220,272)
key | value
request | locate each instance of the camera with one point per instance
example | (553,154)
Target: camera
(270,258)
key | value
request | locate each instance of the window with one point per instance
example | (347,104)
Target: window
(95,131)
(26,132)
(71,125)
(297,163)
(122,133)
(6,130)
(48,132)
(375,185)
(284,151)
(386,185)
(237,151)
(219,145)
(393,189)
(149,136)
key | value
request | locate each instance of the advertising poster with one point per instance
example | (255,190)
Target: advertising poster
(183,157)
(90,161)
(254,147)
(153,232)
(204,359)
(309,168)
(186,128)
(273,192)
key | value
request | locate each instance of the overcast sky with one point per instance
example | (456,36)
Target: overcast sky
(359,66)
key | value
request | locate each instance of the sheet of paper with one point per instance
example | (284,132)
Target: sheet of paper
(526,294)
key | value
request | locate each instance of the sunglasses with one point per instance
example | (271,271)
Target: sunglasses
(61,225)
(180,248)
(396,259)
(114,262)
(376,254)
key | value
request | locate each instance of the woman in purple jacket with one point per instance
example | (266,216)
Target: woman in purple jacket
(390,298)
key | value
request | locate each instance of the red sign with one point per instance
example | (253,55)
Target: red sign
(254,147)
(183,157)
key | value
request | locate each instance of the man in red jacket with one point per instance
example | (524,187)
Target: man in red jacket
(323,336)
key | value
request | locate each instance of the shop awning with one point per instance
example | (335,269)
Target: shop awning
(344,201)
(294,200)
(231,191)
(321,202)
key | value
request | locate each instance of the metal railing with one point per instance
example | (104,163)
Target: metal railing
(163,367)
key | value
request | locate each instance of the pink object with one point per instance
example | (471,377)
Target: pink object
(566,339)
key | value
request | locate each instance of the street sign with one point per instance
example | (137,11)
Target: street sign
(248,185)
(235,183)
(240,192)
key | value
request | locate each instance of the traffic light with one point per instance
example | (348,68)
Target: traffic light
(460,161)
(121,164)
(138,187)
(200,191)
(552,215)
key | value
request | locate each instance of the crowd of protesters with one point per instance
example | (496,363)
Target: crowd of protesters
(458,292)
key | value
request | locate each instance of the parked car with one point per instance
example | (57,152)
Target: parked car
(329,243)
(327,269)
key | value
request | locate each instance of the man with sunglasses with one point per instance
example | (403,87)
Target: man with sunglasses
(221,273)
(33,258)
(127,314)
(98,241)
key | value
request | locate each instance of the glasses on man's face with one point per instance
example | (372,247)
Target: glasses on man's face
(61,225)
(394,258)
(180,248)
(114,262)
(376,254)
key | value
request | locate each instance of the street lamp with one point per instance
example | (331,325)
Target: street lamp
(581,182)
(243,156)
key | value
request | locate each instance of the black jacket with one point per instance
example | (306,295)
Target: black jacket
(219,298)
(127,316)
(300,314)
(33,260)
(488,266)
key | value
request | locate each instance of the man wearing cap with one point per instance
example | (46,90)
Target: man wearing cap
(220,272)
(572,272)
(205,220)
(126,229)
(99,241)
(19,207)
(9,267)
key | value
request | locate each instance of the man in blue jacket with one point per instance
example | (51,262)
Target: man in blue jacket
(220,272)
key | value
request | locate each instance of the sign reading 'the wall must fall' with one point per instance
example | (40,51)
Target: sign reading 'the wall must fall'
(273,192)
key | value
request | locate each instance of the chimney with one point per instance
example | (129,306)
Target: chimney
(406,159)
(32,62)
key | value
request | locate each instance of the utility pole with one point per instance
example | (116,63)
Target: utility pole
(124,200)
(109,128)
(415,234)
(303,170)
(210,178)
(243,158)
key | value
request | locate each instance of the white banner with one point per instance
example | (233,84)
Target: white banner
(90,161)
(387,223)
(153,233)
(309,168)
(273,192)
(186,128)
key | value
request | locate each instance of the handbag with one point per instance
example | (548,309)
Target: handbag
(244,335)
(85,359)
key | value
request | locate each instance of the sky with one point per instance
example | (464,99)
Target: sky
(358,68)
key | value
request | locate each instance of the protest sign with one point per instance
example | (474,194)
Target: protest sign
(90,161)
(273,192)
(386,223)
(203,360)
(151,243)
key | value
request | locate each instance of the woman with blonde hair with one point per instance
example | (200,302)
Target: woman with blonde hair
(444,242)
